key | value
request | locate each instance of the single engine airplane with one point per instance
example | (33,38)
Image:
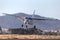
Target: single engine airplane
(27,20)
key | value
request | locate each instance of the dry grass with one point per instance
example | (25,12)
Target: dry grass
(12,36)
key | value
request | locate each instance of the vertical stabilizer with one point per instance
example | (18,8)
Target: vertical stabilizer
(33,14)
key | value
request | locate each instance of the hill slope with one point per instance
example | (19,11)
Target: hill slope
(12,22)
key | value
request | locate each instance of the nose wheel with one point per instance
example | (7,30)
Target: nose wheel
(24,25)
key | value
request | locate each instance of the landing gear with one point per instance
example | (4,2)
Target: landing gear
(34,26)
(24,25)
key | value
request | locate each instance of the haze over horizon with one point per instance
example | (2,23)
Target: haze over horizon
(46,8)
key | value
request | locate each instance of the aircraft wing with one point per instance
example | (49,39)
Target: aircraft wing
(15,16)
(19,17)
(7,14)
(39,19)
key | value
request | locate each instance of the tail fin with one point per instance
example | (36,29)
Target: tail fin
(33,14)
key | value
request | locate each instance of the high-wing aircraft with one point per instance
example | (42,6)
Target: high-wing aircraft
(27,20)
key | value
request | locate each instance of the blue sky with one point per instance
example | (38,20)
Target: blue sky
(47,8)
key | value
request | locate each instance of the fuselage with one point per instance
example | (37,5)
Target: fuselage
(28,21)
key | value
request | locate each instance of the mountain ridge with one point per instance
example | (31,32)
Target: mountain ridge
(12,22)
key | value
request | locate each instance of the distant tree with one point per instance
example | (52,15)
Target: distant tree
(0,29)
